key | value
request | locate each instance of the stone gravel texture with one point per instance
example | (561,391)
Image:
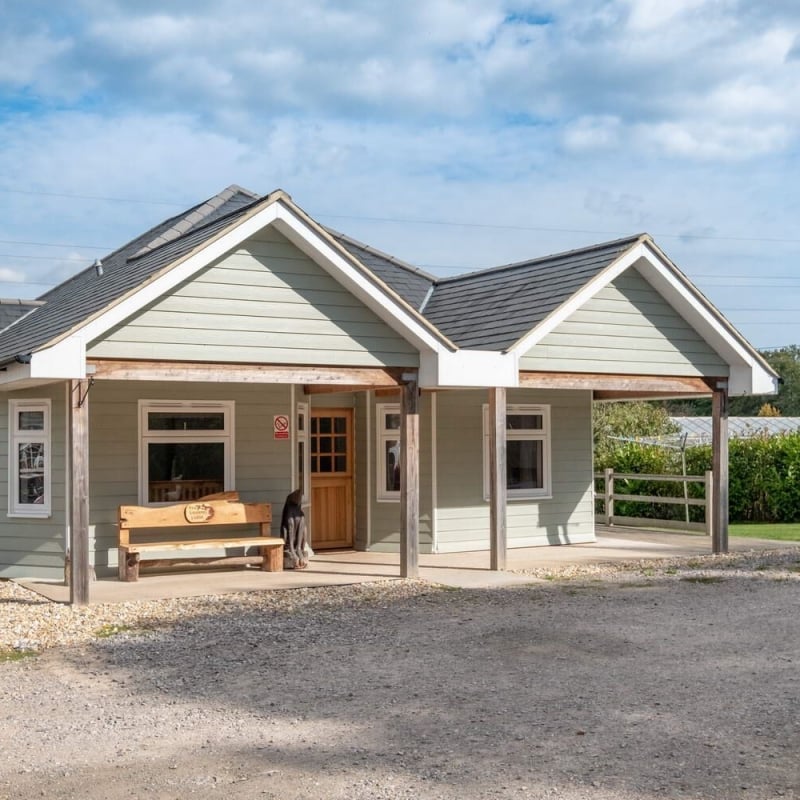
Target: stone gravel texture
(644,680)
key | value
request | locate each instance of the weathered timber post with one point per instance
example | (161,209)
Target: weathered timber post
(719,446)
(497,478)
(709,503)
(79,570)
(409,478)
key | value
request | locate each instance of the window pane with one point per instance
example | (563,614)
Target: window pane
(185,471)
(31,474)
(30,420)
(524,464)
(301,465)
(530,422)
(392,477)
(391,422)
(185,421)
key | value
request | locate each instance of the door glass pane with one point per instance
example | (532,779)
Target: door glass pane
(31,474)
(181,471)
(340,444)
(524,464)
(340,463)
(340,425)
(325,464)
(324,424)
(325,444)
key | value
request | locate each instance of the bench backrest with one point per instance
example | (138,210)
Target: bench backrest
(199,514)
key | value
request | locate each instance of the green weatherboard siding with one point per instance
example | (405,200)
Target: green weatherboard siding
(266,302)
(627,327)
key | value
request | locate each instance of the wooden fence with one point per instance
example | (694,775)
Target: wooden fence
(608,496)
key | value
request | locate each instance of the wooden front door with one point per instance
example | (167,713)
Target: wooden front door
(331,450)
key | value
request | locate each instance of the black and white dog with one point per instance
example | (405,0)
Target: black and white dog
(296,551)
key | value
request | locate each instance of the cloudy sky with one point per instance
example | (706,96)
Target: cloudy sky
(455,134)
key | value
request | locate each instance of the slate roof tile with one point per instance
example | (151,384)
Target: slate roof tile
(86,293)
(492,309)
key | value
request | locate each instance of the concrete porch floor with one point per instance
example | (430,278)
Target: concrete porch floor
(463,570)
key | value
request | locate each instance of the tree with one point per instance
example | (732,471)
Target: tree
(786,362)
(627,420)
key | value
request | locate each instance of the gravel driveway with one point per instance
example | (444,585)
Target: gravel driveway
(656,680)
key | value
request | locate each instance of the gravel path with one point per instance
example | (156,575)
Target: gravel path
(651,679)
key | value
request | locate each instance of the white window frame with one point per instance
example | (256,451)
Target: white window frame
(543,435)
(19,437)
(146,436)
(383,435)
(302,460)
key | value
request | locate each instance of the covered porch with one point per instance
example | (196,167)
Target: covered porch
(457,570)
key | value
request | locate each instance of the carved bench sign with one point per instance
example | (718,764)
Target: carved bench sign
(198,512)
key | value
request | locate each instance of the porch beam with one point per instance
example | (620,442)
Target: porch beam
(343,377)
(598,381)
(719,468)
(79,570)
(497,478)
(409,480)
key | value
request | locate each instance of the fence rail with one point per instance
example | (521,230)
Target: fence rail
(608,496)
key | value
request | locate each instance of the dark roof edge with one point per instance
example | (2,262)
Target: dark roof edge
(380,254)
(153,248)
(630,240)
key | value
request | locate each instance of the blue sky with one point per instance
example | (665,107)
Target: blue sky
(454,134)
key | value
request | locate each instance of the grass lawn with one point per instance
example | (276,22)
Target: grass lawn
(787,532)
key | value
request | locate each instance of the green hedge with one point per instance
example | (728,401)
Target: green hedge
(764,477)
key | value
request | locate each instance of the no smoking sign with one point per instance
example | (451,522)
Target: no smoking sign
(280,426)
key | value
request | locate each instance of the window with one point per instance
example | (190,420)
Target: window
(527,451)
(388,429)
(186,450)
(29,468)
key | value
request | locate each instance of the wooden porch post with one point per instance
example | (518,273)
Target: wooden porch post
(409,480)
(497,478)
(79,512)
(719,446)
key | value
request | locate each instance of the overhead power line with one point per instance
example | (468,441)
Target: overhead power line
(417,221)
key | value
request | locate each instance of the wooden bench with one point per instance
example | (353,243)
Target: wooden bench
(185,527)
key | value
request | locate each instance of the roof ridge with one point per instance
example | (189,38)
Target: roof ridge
(381,254)
(193,218)
(638,237)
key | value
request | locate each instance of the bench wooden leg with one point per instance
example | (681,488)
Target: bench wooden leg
(273,558)
(128,565)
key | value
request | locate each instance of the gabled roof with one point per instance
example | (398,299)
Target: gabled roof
(493,309)
(470,329)
(87,293)
(12,310)
(411,283)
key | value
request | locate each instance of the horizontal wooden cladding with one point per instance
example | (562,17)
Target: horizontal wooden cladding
(243,373)
(613,386)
